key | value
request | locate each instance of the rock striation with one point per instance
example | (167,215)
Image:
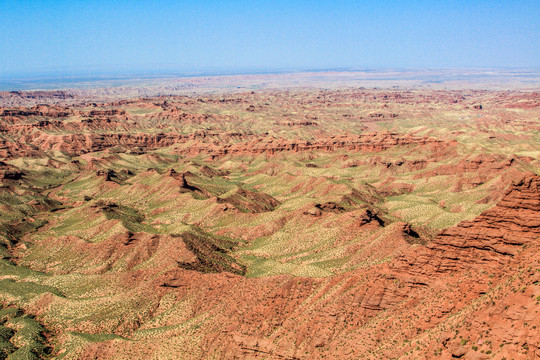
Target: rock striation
(491,239)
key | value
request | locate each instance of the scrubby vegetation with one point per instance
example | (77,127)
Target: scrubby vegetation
(288,224)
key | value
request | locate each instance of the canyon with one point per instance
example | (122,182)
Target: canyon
(279,223)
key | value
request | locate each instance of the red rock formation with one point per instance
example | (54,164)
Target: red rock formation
(363,314)
(250,201)
(368,142)
(81,143)
(107,112)
(462,282)
(333,322)
(492,238)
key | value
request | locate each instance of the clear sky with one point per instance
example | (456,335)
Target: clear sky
(65,37)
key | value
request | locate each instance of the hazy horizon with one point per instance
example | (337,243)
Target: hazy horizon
(176,82)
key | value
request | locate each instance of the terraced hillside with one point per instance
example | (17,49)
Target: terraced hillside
(273,224)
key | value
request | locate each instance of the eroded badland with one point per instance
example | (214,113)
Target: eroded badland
(272,224)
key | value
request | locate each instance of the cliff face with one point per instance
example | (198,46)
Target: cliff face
(368,142)
(76,138)
(491,239)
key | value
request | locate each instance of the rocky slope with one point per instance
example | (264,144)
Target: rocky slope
(415,301)
(309,224)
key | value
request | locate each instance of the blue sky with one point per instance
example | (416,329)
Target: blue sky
(72,37)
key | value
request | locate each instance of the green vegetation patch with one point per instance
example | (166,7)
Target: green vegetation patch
(211,252)
(21,336)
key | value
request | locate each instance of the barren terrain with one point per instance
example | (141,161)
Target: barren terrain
(274,223)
